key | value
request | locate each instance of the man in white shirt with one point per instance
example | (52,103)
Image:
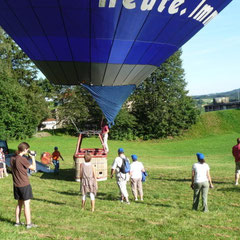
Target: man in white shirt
(136,178)
(121,178)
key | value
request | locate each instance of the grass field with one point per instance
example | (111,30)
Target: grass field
(166,211)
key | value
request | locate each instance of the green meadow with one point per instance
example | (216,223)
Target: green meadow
(165,212)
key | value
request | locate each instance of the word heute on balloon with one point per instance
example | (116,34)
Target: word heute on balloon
(203,12)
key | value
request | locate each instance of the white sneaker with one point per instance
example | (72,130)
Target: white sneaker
(236,184)
(28,226)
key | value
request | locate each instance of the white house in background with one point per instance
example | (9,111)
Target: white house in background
(49,123)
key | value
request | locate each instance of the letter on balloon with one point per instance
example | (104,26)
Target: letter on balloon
(174,7)
(162,5)
(129,4)
(147,5)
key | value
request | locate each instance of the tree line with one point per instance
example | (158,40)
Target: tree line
(158,108)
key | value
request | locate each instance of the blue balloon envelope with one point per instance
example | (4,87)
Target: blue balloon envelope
(109,46)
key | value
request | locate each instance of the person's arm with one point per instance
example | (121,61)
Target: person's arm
(193,175)
(209,179)
(61,157)
(95,175)
(81,171)
(112,172)
(33,165)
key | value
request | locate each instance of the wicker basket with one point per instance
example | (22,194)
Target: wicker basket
(100,165)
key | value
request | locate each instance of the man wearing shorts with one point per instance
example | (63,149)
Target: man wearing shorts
(236,154)
(21,185)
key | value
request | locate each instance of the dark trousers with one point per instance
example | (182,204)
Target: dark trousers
(56,165)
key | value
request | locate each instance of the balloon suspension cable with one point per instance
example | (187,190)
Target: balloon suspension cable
(102,121)
(75,125)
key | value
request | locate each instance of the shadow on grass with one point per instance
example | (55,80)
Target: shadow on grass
(173,179)
(107,196)
(153,204)
(232,189)
(63,175)
(70,193)
(2,219)
(47,201)
(221,182)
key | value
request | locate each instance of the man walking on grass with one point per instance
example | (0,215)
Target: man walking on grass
(121,178)
(21,185)
(236,154)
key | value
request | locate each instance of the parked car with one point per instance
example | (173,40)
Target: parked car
(3,144)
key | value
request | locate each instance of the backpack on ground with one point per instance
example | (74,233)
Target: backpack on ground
(125,168)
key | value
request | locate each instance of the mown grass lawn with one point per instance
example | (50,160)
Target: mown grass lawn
(165,213)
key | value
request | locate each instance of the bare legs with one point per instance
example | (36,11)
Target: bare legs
(83,204)
(92,197)
(236,178)
(27,211)
(92,205)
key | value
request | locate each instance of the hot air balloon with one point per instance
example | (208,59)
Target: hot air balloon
(108,46)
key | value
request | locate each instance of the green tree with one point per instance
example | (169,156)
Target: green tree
(16,119)
(161,105)
(77,105)
(125,126)
(15,65)
(15,62)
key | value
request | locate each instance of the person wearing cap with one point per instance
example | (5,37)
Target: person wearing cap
(201,180)
(121,178)
(55,159)
(236,155)
(136,177)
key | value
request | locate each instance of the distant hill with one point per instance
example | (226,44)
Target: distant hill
(215,123)
(233,95)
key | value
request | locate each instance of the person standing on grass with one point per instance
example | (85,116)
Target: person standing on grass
(21,185)
(88,181)
(136,171)
(55,159)
(105,131)
(236,155)
(1,169)
(121,178)
(2,162)
(201,180)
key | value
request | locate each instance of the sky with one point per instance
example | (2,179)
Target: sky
(211,59)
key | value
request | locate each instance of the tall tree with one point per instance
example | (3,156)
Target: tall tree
(18,69)
(161,105)
(17,120)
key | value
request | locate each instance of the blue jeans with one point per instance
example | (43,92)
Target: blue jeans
(56,165)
